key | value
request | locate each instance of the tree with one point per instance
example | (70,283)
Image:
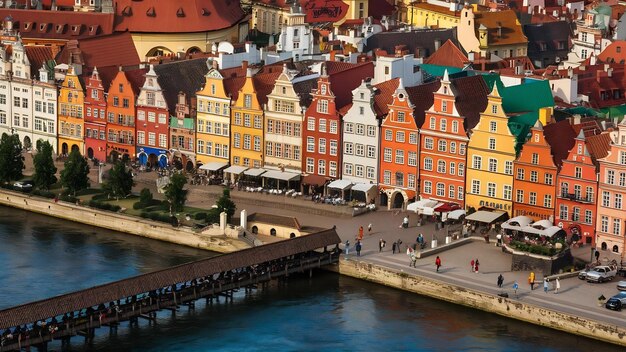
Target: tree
(11,159)
(120,181)
(74,175)
(174,192)
(145,197)
(225,204)
(45,170)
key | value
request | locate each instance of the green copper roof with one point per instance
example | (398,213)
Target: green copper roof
(613,111)
(188,123)
(585,111)
(438,70)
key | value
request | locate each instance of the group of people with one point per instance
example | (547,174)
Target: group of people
(546,284)
(474,265)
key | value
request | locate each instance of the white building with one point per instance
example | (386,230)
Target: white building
(405,67)
(361,128)
(228,55)
(296,38)
(44,107)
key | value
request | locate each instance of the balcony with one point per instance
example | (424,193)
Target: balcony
(577,198)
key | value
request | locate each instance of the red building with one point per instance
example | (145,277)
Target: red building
(577,186)
(95,118)
(322,136)
(152,123)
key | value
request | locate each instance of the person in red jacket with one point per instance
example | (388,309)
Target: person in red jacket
(438,263)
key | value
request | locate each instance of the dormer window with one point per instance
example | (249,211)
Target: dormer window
(323,89)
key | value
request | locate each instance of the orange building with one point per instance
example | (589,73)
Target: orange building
(71,120)
(399,150)
(536,170)
(120,118)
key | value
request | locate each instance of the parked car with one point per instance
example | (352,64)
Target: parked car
(616,302)
(602,273)
(583,274)
(23,185)
(621,285)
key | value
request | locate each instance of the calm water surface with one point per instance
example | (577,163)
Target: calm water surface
(42,257)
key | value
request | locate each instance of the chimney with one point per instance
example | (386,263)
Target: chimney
(570,72)
(244,65)
(576,119)
(606,67)
(592,60)
(470,56)
(332,55)
(499,31)
(609,72)
(599,74)
(437,44)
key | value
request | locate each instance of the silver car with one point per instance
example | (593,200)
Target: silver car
(621,285)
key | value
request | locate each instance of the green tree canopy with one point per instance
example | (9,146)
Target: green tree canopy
(174,192)
(225,204)
(11,159)
(120,181)
(145,197)
(45,170)
(74,175)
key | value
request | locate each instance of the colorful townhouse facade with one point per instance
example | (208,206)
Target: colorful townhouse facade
(45,109)
(610,224)
(490,156)
(71,114)
(399,150)
(443,146)
(152,122)
(95,118)
(321,136)
(121,122)
(183,135)
(213,119)
(577,187)
(535,178)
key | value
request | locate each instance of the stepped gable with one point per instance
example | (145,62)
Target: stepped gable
(181,16)
(561,137)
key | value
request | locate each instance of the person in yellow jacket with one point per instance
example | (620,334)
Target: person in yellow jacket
(531,280)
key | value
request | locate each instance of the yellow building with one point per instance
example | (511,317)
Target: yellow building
(247,120)
(357,9)
(213,120)
(269,16)
(490,156)
(71,121)
(423,14)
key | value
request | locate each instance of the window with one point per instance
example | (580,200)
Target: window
(491,189)
(348,148)
(350,127)
(428,143)
(388,135)
(617,226)
(443,125)
(151,138)
(257,143)
(441,191)
(564,189)
(141,137)
(533,176)
(547,201)
(455,126)
(492,126)
(321,167)
(492,143)
(400,116)
(371,131)
(508,167)
(333,147)
(532,198)
(360,129)
(428,187)
(618,201)
(578,172)
(361,110)
(347,169)
(399,136)
(322,125)
(258,122)
(563,212)
(475,187)
(604,224)
(322,106)
(333,127)
(442,146)
(451,191)
(321,148)
(622,158)
(588,216)
(412,159)
(200,146)
(358,170)
(477,162)
(535,159)
(494,109)
(462,147)
(247,100)
(460,193)
(269,150)
(246,121)
(246,142)
(590,195)
(433,123)
(606,199)
(577,191)
(162,140)
(444,106)
(411,181)
(452,168)
(387,155)
(237,140)
(399,156)
(125,102)
(441,166)
(452,147)
(428,164)
(507,192)
(548,178)
(519,196)
(371,151)
(412,138)
(610,177)
(370,173)
(622,179)
(493,165)
(387,177)
(332,169)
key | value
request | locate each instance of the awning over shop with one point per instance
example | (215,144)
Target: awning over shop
(213,166)
(484,216)
(430,209)
(446,207)
(281,175)
(541,231)
(254,172)
(315,180)
(235,169)
(363,187)
(420,205)
(340,184)
(517,223)
(456,214)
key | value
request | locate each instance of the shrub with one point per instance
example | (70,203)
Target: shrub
(68,198)
(138,206)
(144,215)
(213,216)
(43,193)
(200,216)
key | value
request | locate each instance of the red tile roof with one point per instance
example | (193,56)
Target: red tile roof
(599,145)
(448,55)
(38,55)
(589,125)
(345,77)
(170,16)
(383,96)
(59,24)
(471,98)
(511,29)
(111,50)
(561,137)
(615,52)
(264,84)
(379,8)
(422,97)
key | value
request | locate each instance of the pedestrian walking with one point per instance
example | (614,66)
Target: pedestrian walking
(393,248)
(411,253)
(531,280)
(438,263)
(545,284)
(347,248)
(500,280)
(476,266)
(381,245)
(557,285)
(399,242)
(405,223)
(515,287)
(358,248)
(360,233)
(472,265)
(369,229)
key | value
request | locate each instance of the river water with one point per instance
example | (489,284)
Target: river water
(42,257)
